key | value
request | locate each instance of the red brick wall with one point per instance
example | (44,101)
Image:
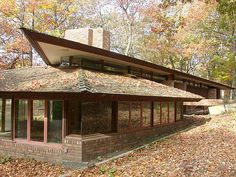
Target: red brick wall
(40,152)
(75,150)
(94,147)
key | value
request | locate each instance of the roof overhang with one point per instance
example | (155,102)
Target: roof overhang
(52,49)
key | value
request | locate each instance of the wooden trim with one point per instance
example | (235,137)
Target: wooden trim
(63,122)
(3,115)
(45,127)
(29,118)
(130,116)
(168,112)
(141,114)
(160,112)
(87,96)
(152,113)
(12,118)
(175,112)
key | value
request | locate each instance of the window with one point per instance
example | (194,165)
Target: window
(55,109)
(5,118)
(115,68)
(164,118)
(37,121)
(135,115)
(123,116)
(157,113)
(147,74)
(96,117)
(136,71)
(171,112)
(146,114)
(91,64)
(21,118)
(179,106)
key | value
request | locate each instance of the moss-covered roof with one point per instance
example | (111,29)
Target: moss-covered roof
(50,79)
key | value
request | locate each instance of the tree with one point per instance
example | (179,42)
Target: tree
(45,16)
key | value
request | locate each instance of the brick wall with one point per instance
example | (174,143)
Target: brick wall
(40,152)
(101,145)
(76,149)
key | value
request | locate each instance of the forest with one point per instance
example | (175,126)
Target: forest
(193,36)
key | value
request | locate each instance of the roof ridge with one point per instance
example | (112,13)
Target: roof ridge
(84,86)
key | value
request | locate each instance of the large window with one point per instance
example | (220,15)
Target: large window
(54,131)
(157,113)
(96,117)
(37,121)
(33,122)
(146,116)
(171,112)
(21,118)
(164,117)
(123,116)
(135,115)
(5,118)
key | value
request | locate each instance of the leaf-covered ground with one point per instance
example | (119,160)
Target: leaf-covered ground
(207,150)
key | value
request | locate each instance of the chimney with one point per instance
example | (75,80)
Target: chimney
(101,38)
(82,35)
(94,37)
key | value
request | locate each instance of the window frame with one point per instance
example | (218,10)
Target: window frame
(30,114)
(152,124)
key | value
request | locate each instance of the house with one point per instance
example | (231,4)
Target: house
(89,101)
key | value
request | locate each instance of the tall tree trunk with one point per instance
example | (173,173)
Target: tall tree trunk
(130,40)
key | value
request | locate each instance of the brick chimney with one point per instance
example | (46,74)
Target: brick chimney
(94,37)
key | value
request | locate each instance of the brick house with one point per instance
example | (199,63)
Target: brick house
(89,101)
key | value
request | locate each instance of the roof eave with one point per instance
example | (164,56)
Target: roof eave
(35,37)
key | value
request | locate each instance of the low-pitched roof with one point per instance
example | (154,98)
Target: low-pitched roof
(51,49)
(78,80)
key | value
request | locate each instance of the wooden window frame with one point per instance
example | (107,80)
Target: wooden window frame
(130,128)
(151,114)
(29,119)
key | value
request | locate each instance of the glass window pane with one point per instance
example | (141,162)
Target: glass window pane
(5,118)
(123,116)
(156,119)
(164,112)
(91,64)
(171,112)
(135,115)
(55,121)
(37,121)
(21,118)
(179,110)
(146,114)
(96,117)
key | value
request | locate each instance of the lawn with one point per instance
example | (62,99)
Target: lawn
(206,150)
